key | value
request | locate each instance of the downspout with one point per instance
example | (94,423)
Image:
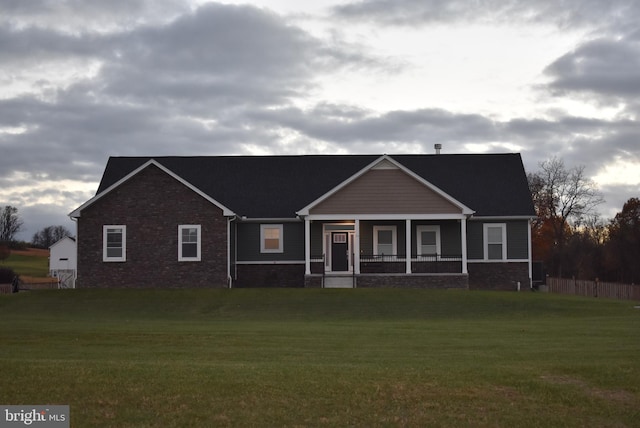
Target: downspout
(75,271)
(229,277)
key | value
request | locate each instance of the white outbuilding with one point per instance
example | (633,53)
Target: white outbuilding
(63,262)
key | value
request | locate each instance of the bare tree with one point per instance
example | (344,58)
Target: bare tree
(49,236)
(564,198)
(10,223)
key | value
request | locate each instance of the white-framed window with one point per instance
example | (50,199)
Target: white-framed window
(189,242)
(428,240)
(114,243)
(495,241)
(385,240)
(340,238)
(271,237)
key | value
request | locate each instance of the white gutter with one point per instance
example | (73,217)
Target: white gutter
(229,277)
(75,273)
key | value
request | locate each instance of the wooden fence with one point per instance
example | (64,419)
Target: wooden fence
(605,290)
(24,286)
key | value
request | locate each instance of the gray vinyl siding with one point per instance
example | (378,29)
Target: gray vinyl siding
(385,191)
(316,239)
(517,239)
(450,237)
(248,245)
(475,247)
(366,236)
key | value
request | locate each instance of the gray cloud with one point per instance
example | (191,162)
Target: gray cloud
(37,217)
(34,45)
(616,196)
(581,141)
(606,67)
(88,15)
(221,56)
(185,84)
(346,126)
(567,14)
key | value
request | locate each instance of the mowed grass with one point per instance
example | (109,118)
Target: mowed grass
(334,358)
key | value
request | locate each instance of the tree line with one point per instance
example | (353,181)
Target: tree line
(11,224)
(571,238)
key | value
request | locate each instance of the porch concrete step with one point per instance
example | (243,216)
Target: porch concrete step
(340,281)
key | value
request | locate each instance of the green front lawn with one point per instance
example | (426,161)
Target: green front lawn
(136,358)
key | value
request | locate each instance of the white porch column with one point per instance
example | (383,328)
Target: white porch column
(356,248)
(463,233)
(407,245)
(307,246)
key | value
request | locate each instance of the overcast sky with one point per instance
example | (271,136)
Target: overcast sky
(83,80)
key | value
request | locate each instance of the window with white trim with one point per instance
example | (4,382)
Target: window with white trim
(114,243)
(189,242)
(385,239)
(495,241)
(271,238)
(428,240)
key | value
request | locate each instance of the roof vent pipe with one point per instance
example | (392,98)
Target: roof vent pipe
(438,147)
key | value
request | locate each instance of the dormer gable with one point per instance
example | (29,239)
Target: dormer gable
(385,187)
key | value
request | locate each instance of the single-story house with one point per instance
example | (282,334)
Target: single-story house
(427,221)
(63,261)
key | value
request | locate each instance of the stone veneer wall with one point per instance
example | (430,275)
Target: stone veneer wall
(498,276)
(444,281)
(269,275)
(151,205)
(313,281)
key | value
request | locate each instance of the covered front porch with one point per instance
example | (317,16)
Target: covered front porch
(426,251)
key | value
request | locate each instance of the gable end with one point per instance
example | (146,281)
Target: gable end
(385,191)
(78,211)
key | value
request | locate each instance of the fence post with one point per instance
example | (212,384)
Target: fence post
(595,288)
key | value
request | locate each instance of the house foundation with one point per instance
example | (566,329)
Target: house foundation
(499,276)
(269,276)
(443,281)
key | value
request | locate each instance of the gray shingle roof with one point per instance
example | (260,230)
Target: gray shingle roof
(278,186)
